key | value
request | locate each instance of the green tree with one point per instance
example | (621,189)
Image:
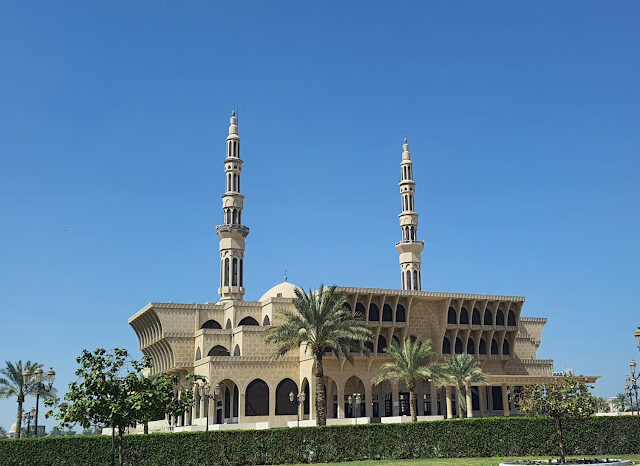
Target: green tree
(621,401)
(321,324)
(103,395)
(13,384)
(3,432)
(412,362)
(461,371)
(564,398)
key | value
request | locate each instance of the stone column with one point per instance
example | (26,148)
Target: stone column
(368,399)
(447,391)
(505,399)
(272,404)
(340,387)
(395,406)
(434,399)
(490,398)
(482,392)
(241,407)
(469,402)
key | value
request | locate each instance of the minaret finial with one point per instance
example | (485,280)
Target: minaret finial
(405,139)
(285,275)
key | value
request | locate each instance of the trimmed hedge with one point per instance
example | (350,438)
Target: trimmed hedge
(454,438)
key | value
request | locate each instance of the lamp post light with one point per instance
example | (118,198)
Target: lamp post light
(42,388)
(27,417)
(208,396)
(354,401)
(299,400)
(637,335)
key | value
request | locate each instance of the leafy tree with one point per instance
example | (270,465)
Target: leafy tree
(560,399)
(461,371)
(13,384)
(621,401)
(601,405)
(3,432)
(412,362)
(102,395)
(321,324)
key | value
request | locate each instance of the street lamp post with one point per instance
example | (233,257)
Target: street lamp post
(27,417)
(42,388)
(208,396)
(299,400)
(354,400)
(633,386)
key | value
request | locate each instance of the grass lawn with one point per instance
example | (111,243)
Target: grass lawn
(463,461)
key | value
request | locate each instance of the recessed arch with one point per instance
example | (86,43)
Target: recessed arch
(211,324)
(458,347)
(283,404)
(396,340)
(475,317)
(347,306)
(506,349)
(446,346)
(218,350)
(451,316)
(482,347)
(471,346)
(488,317)
(236,350)
(464,316)
(401,314)
(248,321)
(387,313)
(198,354)
(228,326)
(266,321)
(499,317)
(511,318)
(494,346)
(374,312)
(256,400)
(382,344)
(360,311)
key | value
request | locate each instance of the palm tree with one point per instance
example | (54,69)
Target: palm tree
(12,384)
(412,362)
(461,371)
(321,324)
(620,402)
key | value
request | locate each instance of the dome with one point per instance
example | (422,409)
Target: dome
(282,290)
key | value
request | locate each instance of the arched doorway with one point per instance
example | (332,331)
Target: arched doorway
(257,398)
(354,385)
(283,403)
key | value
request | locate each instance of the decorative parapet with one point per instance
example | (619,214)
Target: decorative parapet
(428,294)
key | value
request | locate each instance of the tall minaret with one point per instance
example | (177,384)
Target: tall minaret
(232,233)
(409,248)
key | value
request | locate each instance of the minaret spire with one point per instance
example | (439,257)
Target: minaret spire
(232,233)
(409,248)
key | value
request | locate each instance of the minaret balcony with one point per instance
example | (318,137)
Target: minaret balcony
(233,229)
(409,241)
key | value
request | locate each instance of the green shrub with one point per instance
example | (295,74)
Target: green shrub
(454,438)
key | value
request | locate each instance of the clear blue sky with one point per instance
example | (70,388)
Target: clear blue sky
(522,119)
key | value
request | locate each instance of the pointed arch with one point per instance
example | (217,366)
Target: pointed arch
(483,346)
(283,404)
(228,326)
(248,321)
(236,350)
(218,350)
(506,348)
(211,323)
(511,318)
(471,346)
(387,313)
(374,313)
(458,347)
(494,346)
(499,317)
(266,321)
(382,344)
(401,314)
(446,346)
(452,318)
(198,354)
(464,316)
(475,317)
(257,398)
(488,317)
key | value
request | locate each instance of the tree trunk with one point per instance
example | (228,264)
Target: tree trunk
(412,402)
(146,426)
(559,431)
(19,418)
(462,402)
(321,414)
(121,445)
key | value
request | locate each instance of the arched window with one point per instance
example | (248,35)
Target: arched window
(464,316)
(499,317)
(229,182)
(226,272)
(236,350)
(257,398)
(248,321)
(408,280)
(211,324)
(471,346)
(387,313)
(266,321)
(241,269)
(228,324)
(451,316)
(218,350)
(382,344)
(369,346)
(446,346)
(374,313)
(347,307)
(505,347)
(283,404)
(236,401)
(227,403)
(494,346)
(401,314)
(234,282)
(396,340)
(511,319)
(475,317)
(415,280)
(483,347)
(360,311)
(458,346)
(234,216)
(198,354)
(488,318)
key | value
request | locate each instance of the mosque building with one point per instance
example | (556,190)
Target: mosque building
(224,341)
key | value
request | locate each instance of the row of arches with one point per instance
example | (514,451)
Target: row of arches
(233,182)
(232,216)
(471,346)
(248,320)
(233,148)
(407,172)
(407,202)
(231,273)
(407,284)
(374,312)
(409,233)
(452,317)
